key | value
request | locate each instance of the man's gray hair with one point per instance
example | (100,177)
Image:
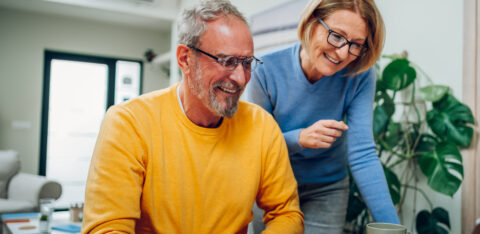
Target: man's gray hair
(191,23)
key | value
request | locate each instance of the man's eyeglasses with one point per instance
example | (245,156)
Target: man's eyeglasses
(231,62)
(339,41)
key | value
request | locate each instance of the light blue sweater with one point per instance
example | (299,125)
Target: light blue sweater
(281,88)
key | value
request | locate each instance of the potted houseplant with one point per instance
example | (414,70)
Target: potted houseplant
(415,128)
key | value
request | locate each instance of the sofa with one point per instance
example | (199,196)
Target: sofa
(21,192)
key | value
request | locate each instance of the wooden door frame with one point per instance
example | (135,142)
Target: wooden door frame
(471,97)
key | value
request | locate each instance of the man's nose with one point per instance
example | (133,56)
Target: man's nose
(240,75)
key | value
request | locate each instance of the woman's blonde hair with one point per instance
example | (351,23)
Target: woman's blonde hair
(365,8)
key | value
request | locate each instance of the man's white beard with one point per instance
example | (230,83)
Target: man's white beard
(231,103)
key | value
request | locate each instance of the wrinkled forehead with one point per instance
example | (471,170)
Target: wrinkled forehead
(227,35)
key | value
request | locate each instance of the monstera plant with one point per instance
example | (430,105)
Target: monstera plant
(415,128)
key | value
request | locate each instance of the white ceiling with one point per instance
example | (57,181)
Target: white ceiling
(152,14)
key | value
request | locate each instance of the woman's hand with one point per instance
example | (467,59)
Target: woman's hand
(321,134)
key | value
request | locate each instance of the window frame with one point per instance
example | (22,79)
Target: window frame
(50,55)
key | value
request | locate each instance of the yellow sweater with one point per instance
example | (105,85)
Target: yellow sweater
(154,171)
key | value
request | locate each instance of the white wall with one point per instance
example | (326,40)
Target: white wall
(431,31)
(23,38)
(249,7)
(246,7)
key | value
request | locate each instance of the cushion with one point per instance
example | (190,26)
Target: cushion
(9,166)
(9,206)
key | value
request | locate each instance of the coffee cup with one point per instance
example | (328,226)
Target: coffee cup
(386,228)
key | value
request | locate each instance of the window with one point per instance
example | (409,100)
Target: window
(76,93)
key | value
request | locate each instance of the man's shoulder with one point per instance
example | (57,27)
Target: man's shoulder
(144,105)
(148,99)
(253,112)
(154,96)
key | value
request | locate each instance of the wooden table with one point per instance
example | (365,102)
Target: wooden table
(31,226)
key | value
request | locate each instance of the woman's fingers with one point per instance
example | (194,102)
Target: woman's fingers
(322,134)
(330,123)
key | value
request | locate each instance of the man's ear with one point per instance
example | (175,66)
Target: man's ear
(184,59)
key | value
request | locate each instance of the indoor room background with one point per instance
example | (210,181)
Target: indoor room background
(432,32)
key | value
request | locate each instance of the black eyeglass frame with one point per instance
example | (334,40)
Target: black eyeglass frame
(363,47)
(246,61)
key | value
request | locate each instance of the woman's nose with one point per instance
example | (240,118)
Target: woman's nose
(342,52)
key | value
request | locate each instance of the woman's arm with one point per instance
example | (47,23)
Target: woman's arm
(364,163)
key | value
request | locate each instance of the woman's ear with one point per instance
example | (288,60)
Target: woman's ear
(184,59)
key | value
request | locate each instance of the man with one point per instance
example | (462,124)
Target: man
(192,158)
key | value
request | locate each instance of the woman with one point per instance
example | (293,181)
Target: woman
(310,88)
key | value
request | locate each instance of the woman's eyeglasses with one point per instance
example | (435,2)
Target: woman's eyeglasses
(339,41)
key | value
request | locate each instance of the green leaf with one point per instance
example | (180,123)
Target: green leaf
(443,168)
(433,93)
(430,223)
(449,118)
(383,99)
(383,111)
(393,134)
(441,215)
(426,143)
(379,85)
(393,185)
(380,119)
(398,74)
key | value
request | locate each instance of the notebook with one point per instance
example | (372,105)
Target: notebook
(67,228)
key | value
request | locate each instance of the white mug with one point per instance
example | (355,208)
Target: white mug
(386,228)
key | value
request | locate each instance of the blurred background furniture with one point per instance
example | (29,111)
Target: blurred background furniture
(21,192)
(476,229)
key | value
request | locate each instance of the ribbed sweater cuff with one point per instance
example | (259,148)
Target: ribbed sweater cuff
(291,137)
